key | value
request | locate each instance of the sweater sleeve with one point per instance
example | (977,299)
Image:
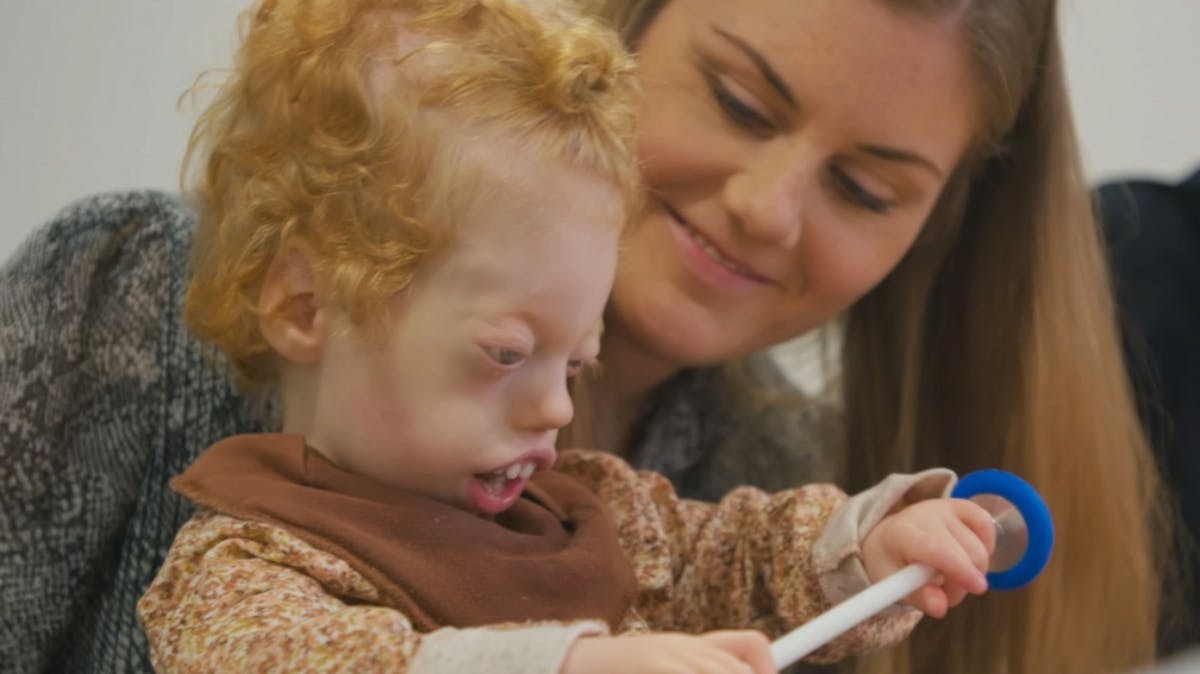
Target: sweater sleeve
(106,396)
(745,562)
(248,596)
(83,304)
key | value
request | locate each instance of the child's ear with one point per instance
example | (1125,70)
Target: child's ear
(293,315)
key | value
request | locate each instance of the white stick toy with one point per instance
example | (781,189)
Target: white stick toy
(829,625)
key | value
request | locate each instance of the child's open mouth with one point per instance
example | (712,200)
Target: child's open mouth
(496,491)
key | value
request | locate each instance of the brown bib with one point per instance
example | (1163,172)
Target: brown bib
(554,555)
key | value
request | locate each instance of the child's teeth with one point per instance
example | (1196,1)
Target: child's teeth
(493,483)
(521,470)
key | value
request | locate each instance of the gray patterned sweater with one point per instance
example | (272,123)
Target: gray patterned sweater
(105,396)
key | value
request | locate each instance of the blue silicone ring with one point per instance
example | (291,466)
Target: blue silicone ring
(1033,510)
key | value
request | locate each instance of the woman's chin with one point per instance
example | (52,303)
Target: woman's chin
(679,331)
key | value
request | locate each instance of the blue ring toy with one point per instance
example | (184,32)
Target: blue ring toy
(1033,510)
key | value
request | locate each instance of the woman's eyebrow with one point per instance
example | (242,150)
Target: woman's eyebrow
(894,154)
(760,62)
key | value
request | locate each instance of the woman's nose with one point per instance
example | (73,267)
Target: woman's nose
(765,196)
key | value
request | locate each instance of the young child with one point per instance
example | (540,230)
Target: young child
(410,215)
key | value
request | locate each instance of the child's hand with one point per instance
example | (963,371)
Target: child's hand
(726,652)
(954,536)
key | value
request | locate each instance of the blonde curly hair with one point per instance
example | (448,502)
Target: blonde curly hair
(347,127)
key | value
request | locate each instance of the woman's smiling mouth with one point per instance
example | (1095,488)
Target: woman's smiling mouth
(712,253)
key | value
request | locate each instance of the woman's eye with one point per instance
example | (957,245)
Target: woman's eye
(504,356)
(736,109)
(857,194)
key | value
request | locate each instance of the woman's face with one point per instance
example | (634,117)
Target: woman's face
(793,150)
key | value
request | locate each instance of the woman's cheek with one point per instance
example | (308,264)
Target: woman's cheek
(844,266)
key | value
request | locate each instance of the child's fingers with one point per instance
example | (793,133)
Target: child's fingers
(945,553)
(930,600)
(937,598)
(974,548)
(955,593)
(979,521)
(716,661)
(748,646)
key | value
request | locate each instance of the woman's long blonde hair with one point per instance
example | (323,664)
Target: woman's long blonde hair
(993,344)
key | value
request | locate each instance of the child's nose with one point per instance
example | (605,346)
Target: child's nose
(549,407)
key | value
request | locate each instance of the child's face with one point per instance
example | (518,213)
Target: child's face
(462,393)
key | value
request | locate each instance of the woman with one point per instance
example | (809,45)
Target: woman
(828,160)
(913,165)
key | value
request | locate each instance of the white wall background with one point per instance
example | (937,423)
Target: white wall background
(88,97)
(1132,69)
(88,92)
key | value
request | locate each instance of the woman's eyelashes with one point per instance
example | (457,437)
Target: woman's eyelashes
(741,113)
(855,193)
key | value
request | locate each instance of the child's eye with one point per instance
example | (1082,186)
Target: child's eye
(577,365)
(504,356)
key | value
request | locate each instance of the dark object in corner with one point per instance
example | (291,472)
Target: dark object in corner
(1153,233)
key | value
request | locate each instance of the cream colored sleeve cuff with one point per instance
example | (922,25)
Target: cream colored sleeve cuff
(519,648)
(837,556)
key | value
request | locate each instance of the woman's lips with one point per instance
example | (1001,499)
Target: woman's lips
(715,254)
